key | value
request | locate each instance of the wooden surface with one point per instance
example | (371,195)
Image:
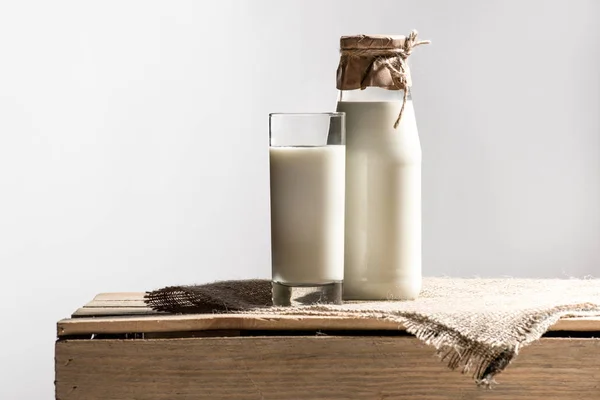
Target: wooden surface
(321,367)
(113,304)
(228,356)
(127,313)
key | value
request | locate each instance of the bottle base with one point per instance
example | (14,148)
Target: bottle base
(290,294)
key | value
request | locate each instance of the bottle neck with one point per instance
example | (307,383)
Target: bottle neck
(371,94)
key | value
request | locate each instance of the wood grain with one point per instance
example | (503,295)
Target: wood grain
(253,368)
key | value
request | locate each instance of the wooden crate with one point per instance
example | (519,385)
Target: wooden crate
(116,348)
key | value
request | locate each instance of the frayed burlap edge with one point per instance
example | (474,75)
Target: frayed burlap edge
(482,360)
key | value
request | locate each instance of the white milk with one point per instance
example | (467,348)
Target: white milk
(307,214)
(383,202)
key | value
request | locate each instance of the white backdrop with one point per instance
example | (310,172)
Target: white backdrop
(133,143)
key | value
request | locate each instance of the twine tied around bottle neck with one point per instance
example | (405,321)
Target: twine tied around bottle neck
(393,58)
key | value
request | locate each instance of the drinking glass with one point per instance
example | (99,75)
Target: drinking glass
(307,155)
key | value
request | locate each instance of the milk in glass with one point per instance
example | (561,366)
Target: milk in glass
(307,214)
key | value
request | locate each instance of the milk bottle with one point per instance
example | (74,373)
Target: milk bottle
(383,169)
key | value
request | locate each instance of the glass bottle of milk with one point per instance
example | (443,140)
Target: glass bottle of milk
(383,169)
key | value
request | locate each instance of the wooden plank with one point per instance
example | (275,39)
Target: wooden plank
(197,322)
(120,296)
(252,368)
(113,312)
(115,303)
(581,324)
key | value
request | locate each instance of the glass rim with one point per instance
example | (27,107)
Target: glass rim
(307,114)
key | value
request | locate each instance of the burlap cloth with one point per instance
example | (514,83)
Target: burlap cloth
(476,325)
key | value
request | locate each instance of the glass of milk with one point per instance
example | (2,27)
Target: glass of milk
(307,155)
